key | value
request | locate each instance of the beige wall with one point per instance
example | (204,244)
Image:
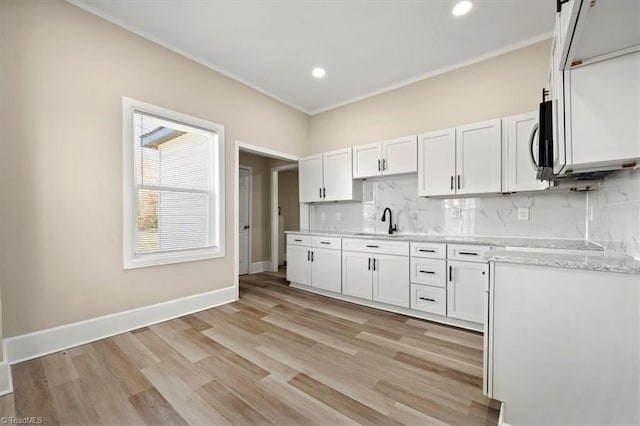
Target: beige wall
(288,199)
(260,205)
(63,73)
(504,85)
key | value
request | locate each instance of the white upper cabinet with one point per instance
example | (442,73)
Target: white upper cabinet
(338,183)
(310,178)
(390,157)
(478,158)
(437,163)
(595,86)
(399,155)
(328,177)
(367,160)
(604,108)
(520,153)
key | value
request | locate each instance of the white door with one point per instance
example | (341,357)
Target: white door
(400,155)
(310,178)
(391,280)
(357,278)
(521,131)
(465,290)
(437,163)
(367,160)
(244,214)
(299,264)
(479,158)
(338,182)
(326,270)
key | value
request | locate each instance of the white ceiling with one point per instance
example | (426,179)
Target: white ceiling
(366,46)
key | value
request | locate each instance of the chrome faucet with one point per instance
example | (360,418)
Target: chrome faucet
(392,228)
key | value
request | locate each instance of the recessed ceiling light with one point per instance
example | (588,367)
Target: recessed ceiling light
(318,72)
(461,8)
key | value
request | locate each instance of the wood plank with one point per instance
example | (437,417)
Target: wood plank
(339,401)
(154,409)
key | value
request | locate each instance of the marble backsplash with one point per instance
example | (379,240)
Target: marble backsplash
(614,213)
(552,214)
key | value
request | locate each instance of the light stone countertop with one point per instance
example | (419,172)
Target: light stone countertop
(534,243)
(588,262)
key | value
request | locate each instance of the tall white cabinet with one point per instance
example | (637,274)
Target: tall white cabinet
(328,177)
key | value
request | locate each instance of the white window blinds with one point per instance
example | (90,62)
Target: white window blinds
(174,185)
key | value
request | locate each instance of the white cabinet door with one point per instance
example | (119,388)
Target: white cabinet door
(310,178)
(298,264)
(326,271)
(605,111)
(338,183)
(437,163)
(357,274)
(399,155)
(391,280)
(465,290)
(520,132)
(478,158)
(367,160)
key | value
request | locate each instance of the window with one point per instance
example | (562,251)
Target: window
(173,186)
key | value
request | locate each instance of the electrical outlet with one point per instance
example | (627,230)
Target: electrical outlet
(338,216)
(323,216)
(523,213)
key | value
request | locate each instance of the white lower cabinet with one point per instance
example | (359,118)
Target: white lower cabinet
(427,298)
(357,275)
(325,269)
(298,264)
(313,266)
(391,279)
(378,277)
(465,290)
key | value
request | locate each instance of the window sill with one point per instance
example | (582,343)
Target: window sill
(158,259)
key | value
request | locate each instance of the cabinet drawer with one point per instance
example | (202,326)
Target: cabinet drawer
(326,242)
(429,271)
(429,250)
(299,240)
(429,299)
(376,246)
(469,253)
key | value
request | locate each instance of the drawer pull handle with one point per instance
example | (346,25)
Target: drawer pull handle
(468,253)
(325,242)
(368,246)
(427,299)
(298,241)
(427,272)
(426,251)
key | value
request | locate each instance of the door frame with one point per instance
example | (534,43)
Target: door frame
(249,207)
(274,212)
(239,145)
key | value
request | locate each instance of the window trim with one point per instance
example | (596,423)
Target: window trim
(131,260)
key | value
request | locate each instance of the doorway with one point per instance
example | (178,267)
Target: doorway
(244,219)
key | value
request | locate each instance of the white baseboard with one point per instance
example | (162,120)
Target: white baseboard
(43,342)
(6,384)
(257,267)
(390,308)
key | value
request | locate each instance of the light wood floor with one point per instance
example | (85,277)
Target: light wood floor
(277,356)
